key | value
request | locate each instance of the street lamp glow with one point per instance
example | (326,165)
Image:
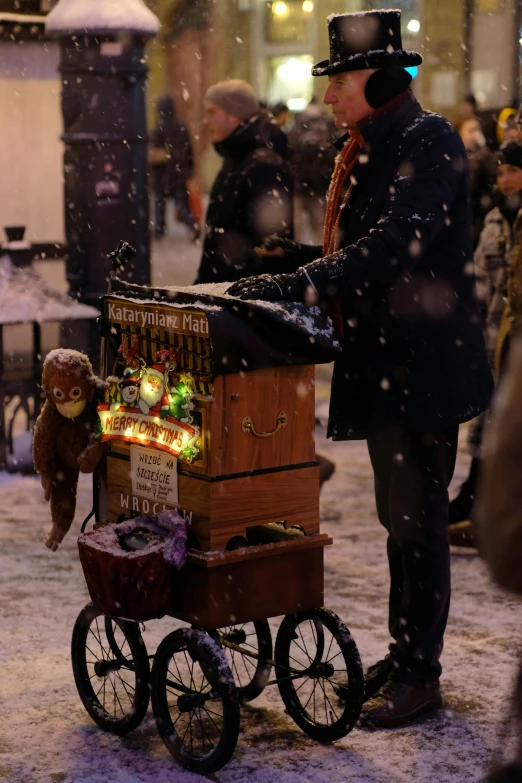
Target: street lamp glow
(280,9)
(307,6)
(413,26)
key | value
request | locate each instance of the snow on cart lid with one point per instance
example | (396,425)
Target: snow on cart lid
(245,335)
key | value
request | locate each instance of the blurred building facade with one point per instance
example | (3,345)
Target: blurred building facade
(468,45)
(471,45)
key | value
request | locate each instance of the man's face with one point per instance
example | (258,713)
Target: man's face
(345,94)
(509,179)
(220,124)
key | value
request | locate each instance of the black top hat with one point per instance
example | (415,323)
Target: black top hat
(371,39)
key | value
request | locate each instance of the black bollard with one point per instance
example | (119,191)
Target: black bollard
(104,71)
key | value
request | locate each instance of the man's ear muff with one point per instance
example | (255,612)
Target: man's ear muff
(385,84)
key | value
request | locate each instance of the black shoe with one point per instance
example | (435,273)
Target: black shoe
(461,505)
(462,534)
(397,703)
(376,676)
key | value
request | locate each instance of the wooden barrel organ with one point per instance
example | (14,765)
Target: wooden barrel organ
(234,452)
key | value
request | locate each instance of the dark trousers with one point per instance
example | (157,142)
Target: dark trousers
(412,472)
(181,201)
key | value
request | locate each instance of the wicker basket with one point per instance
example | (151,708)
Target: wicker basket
(133,585)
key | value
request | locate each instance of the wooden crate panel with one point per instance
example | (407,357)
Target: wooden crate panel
(250,584)
(222,509)
(260,395)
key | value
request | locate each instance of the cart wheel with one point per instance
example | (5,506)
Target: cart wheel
(195,700)
(111,670)
(316,661)
(251,674)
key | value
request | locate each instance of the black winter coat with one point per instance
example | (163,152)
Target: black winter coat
(413,350)
(250,199)
(171,133)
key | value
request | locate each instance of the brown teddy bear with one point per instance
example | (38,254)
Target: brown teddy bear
(65,434)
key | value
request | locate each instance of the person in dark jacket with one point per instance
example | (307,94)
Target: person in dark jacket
(396,270)
(252,195)
(312,159)
(482,171)
(170,175)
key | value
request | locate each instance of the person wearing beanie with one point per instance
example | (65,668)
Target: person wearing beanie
(493,262)
(396,272)
(251,197)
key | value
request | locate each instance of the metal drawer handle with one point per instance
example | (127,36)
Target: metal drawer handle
(247,426)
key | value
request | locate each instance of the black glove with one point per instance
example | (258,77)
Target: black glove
(274,242)
(271,288)
(294,255)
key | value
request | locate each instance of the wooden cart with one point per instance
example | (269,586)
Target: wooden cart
(236,456)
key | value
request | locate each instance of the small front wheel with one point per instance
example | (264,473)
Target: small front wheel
(195,700)
(111,670)
(319,674)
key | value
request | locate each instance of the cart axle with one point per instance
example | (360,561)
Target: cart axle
(103,668)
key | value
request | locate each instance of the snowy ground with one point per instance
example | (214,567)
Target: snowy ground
(47,737)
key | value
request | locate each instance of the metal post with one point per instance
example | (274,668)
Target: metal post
(104,71)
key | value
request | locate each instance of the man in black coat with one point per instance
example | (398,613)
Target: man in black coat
(252,195)
(397,273)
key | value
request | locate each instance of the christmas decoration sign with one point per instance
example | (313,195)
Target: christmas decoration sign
(151,405)
(166,434)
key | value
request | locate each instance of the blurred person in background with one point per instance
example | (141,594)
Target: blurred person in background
(468,107)
(507,125)
(511,323)
(518,124)
(499,526)
(482,171)
(518,120)
(172,163)
(312,159)
(493,262)
(252,195)
(281,114)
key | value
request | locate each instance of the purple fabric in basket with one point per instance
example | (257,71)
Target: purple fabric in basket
(168,525)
